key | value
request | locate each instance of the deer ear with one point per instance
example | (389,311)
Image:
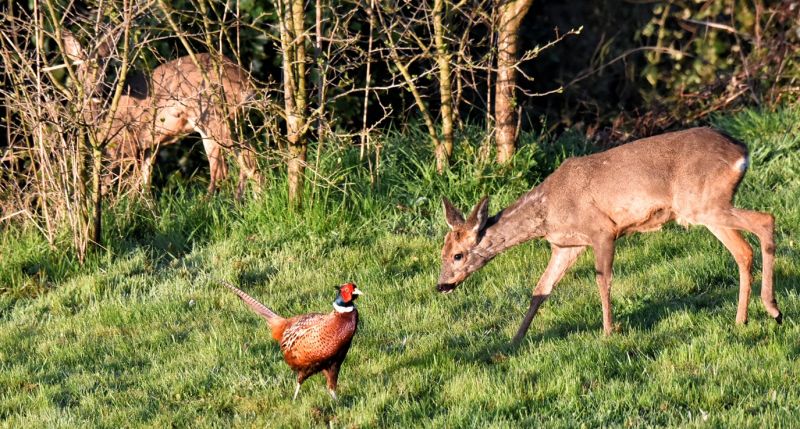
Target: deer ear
(107,43)
(477,219)
(452,216)
(72,47)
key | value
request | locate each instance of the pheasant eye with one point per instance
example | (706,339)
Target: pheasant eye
(458,256)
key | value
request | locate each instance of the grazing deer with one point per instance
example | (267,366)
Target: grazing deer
(688,176)
(181,97)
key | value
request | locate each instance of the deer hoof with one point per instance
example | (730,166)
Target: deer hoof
(779,318)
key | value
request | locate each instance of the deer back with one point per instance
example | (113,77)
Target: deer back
(180,97)
(643,184)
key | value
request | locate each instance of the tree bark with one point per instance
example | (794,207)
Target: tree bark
(440,153)
(445,86)
(294,88)
(510,17)
(299,33)
(97,196)
(364,130)
(438,148)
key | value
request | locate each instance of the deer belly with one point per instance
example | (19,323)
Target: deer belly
(651,220)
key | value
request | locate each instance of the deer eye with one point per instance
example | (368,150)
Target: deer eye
(458,256)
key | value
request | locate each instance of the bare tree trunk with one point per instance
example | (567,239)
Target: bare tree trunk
(99,145)
(486,145)
(364,131)
(294,85)
(297,161)
(445,87)
(511,13)
(40,126)
(438,148)
(97,196)
(439,151)
(321,82)
(299,32)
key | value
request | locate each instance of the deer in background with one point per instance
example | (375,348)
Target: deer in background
(688,176)
(180,97)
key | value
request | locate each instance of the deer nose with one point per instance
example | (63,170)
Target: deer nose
(445,287)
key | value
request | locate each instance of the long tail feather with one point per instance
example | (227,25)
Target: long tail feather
(251,302)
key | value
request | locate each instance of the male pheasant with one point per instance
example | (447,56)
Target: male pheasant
(313,342)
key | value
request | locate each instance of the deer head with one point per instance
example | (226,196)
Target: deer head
(461,255)
(89,66)
(175,99)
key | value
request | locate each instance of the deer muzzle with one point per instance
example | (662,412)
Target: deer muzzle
(446,287)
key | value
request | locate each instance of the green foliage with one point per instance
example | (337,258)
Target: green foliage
(773,182)
(142,335)
(707,54)
(642,67)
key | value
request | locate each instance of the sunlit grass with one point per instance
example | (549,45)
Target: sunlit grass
(143,335)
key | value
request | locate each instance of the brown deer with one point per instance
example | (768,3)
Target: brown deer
(688,176)
(181,97)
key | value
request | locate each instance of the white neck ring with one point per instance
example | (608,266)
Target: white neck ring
(340,309)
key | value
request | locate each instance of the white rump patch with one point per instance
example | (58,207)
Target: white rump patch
(741,164)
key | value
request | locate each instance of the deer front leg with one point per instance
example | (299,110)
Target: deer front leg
(604,261)
(561,259)
(246,159)
(148,157)
(216,164)
(216,161)
(248,165)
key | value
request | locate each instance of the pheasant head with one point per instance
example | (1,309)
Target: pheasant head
(345,297)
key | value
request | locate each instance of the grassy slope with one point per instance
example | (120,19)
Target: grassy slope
(148,338)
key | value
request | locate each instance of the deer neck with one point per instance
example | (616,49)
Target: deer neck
(521,221)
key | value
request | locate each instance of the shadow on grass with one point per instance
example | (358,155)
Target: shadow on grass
(713,296)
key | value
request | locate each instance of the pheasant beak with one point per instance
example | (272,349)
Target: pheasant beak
(356,291)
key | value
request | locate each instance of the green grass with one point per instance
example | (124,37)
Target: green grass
(142,335)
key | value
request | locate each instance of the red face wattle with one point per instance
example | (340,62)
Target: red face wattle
(346,290)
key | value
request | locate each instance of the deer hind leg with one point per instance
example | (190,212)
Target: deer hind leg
(762,225)
(603,264)
(560,260)
(743,254)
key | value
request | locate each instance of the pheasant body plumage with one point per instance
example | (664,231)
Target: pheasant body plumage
(313,342)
